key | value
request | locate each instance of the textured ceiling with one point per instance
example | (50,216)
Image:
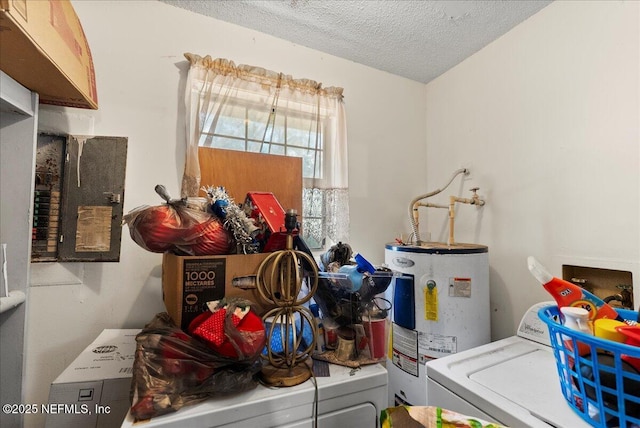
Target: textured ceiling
(418,40)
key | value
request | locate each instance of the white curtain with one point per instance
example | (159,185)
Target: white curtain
(252,109)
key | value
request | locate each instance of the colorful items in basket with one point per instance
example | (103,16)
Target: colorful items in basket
(607,368)
(609,330)
(567,294)
(605,328)
(632,337)
(576,319)
(601,382)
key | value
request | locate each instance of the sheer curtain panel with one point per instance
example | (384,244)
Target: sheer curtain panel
(247,108)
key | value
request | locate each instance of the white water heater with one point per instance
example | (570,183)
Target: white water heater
(440,307)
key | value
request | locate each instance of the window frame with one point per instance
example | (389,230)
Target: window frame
(208,139)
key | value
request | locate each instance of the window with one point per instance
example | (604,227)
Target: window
(243,128)
(252,109)
(286,134)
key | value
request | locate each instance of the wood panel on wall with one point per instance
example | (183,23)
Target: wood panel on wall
(242,172)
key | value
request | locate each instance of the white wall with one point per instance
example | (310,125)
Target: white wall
(138,48)
(547,118)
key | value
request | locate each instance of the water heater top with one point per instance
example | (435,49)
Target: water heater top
(439,248)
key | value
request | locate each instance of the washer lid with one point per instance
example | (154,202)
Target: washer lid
(513,380)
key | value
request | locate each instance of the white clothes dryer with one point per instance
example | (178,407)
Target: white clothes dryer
(347,398)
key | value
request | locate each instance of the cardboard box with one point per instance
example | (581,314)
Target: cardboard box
(94,390)
(189,282)
(44,48)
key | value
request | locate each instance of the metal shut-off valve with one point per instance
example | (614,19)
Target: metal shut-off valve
(474,200)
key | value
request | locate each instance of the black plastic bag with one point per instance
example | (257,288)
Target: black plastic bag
(173,369)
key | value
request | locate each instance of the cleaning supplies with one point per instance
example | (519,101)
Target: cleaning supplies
(568,294)
(577,319)
(606,329)
(632,334)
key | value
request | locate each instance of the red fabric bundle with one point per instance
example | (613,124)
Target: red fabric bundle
(246,338)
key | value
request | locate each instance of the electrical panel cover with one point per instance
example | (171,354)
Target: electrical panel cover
(78,204)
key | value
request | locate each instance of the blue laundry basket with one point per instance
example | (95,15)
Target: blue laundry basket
(605,390)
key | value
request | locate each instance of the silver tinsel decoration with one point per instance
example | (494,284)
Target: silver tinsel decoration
(233,218)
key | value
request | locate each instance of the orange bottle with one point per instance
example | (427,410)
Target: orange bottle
(568,294)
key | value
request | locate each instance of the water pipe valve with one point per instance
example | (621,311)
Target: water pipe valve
(475,198)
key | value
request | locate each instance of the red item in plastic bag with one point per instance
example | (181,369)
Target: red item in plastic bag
(212,328)
(209,238)
(173,369)
(177,227)
(154,228)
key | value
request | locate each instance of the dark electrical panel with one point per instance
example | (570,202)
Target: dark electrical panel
(46,201)
(78,200)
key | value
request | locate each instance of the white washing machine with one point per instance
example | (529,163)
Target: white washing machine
(513,381)
(346,398)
